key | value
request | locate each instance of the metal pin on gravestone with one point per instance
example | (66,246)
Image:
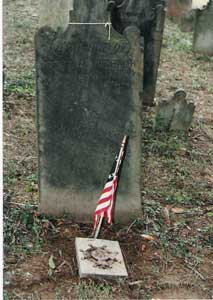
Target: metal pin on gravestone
(108,24)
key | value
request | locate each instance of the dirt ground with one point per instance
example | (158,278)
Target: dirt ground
(175,260)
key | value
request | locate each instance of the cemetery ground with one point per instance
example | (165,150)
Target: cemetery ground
(174,260)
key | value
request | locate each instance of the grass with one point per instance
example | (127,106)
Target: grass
(14,296)
(204,58)
(32,183)
(11,173)
(162,143)
(14,174)
(92,290)
(191,246)
(178,198)
(24,86)
(171,156)
(178,240)
(175,40)
(25,228)
(174,156)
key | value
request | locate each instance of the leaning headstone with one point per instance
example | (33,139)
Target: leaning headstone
(88,98)
(203,32)
(175,113)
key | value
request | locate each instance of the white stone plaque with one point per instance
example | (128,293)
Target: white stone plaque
(99,258)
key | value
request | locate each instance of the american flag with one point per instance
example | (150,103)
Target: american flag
(106,202)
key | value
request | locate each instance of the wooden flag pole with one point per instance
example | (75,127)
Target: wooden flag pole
(121,153)
(119,160)
(98,227)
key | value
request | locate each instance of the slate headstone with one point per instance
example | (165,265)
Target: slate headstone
(203,32)
(88,98)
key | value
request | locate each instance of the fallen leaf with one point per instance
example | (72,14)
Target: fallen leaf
(29,245)
(138,282)
(209,179)
(182,151)
(61,222)
(11,260)
(143,248)
(37,214)
(166,215)
(51,263)
(147,237)
(177,210)
(50,272)
(210,214)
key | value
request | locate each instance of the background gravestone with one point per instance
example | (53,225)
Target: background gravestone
(203,32)
(88,98)
(175,113)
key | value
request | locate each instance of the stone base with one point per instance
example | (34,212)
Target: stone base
(55,201)
(86,267)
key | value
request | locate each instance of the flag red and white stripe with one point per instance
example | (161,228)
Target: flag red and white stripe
(106,203)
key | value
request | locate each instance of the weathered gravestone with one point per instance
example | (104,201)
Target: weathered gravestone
(88,98)
(203,32)
(175,113)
